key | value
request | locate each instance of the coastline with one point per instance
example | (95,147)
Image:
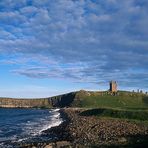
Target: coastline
(36,133)
(91,131)
(60,134)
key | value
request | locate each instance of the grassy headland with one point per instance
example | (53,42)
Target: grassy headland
(123,100)
(125,105)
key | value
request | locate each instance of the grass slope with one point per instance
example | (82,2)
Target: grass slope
(116,113)
(124,100)
(125,105)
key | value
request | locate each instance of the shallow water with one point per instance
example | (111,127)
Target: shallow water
(22,125)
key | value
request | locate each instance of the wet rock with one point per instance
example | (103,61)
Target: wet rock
(60,144)
(122,140)
(51,145)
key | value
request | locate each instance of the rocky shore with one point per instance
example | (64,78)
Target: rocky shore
(91,131)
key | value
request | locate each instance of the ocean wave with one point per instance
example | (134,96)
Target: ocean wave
(1,144)
(54,110)
(30,127)
(57,115)
(35,128)
(22,139)
(55,121)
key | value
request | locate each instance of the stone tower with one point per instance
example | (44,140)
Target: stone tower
(113,86)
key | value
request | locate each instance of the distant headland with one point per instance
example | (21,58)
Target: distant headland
(110,98)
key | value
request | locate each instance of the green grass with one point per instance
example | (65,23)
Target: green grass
(125,105)
(117,113)
(124,100)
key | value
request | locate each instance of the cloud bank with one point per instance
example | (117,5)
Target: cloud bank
(86,41)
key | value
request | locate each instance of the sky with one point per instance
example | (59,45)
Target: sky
(50,47)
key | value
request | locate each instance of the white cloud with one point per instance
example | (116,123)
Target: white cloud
(111,34)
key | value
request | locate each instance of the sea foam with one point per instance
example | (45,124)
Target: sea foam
(27,125)
(55,121)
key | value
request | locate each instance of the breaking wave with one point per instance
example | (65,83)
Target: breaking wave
(20,125)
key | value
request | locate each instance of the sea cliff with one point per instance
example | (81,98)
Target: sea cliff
(56,101)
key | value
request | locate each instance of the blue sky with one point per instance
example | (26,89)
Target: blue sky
(49,47)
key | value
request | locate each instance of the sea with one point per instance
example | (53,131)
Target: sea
(26,125)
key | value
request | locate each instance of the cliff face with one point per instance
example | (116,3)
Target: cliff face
(65,100)
(26,103)
(57,101)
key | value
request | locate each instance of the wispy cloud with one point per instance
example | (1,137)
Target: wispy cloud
(84,40)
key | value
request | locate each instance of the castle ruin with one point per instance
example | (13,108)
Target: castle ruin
(113,86)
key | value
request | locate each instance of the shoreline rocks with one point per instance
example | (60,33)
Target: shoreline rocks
(79,131)
(91,131)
